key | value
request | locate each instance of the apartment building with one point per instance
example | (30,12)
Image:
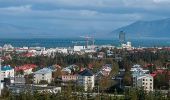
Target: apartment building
(43,74)
(86,79)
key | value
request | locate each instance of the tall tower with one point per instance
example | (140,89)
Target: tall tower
(122,37)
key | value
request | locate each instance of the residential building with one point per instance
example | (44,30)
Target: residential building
(86,79)
(141,79)
(7,72)
(145,81)
(43,74)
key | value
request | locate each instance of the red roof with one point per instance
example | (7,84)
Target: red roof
(148,65)
(25,67)
(153,75)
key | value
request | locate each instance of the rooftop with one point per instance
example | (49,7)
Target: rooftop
(5,68)
(86,72)
(43,71)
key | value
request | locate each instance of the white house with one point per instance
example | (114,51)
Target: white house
(7,72)
(43,74)
(86,79)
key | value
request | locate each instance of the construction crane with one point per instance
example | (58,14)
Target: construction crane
(87,38)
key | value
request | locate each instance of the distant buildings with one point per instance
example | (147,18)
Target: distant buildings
(138,68)
(78,48)
(8,47)
(86,79)
(128,45)
(43,74)
(105,70)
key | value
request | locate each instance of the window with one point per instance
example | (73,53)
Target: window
(150,79)
(143,79)
(146,80)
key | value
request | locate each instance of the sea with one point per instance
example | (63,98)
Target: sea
(70,42)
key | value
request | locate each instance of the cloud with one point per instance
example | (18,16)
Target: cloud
(16,9)
(73,16)
(161,1)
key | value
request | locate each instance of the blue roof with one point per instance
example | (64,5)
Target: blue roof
(5,68)
(86,72)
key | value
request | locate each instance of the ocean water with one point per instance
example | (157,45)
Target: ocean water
(49,43)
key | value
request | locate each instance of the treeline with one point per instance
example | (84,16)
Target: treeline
(68,94)
(60,59)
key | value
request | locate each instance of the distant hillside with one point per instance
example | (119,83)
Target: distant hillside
(14,31)
(153,29)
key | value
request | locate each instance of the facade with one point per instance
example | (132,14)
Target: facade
(141,79)
(86,79)
(66,78)
(43,74)
(145,81)
(7,72)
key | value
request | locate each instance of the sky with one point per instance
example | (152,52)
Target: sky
(73,18)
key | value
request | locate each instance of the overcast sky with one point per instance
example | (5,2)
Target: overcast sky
(78,17)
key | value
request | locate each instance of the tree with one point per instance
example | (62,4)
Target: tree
(127,80)
(43,82)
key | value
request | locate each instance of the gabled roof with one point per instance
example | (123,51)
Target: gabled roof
(43,71)
(86,72)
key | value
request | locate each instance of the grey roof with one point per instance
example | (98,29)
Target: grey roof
(86,72)
(43,71)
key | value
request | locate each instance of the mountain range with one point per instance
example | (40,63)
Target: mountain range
(146,29)
(138,29)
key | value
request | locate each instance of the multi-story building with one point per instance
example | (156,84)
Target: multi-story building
(146,81)
(7,72)
(43,74)
(141,79)
(86,79)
